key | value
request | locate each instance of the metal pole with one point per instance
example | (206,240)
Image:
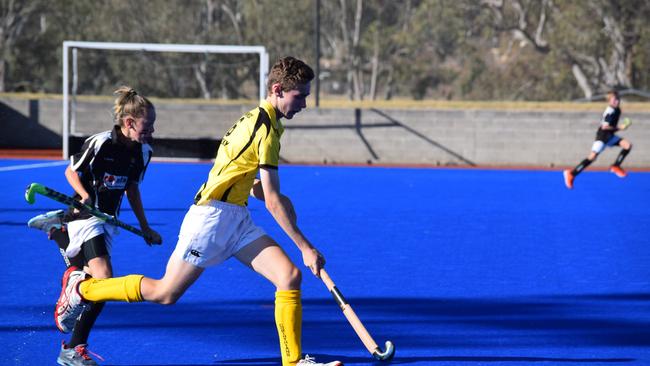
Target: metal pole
(317,46)
(73,99)
(65,127)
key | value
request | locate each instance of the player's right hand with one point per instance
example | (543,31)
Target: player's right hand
(314,260)
(84,201)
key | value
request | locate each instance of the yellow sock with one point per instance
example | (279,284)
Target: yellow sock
(125,288)
(288,318)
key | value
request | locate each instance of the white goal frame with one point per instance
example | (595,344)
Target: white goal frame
(148,47)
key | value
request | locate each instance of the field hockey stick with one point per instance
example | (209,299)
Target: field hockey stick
(353,319)
(30,196)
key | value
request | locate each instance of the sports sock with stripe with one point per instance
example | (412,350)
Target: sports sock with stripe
(288,319)
(84,325)
(580,167)
(621,156)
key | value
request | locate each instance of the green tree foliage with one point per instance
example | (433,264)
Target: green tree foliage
(370,49)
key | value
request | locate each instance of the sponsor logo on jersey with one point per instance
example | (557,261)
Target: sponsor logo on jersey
(114,181)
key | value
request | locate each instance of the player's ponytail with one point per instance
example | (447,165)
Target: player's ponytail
(129,103)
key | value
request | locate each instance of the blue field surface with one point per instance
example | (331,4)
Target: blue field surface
(455,266)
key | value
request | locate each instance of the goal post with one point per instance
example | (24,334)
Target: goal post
(68,46)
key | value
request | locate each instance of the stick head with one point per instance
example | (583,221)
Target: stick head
(30,193)
(387,354)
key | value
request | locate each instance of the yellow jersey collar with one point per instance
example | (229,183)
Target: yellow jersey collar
(270,110)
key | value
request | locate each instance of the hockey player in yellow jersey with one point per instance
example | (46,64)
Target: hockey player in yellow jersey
(218,225)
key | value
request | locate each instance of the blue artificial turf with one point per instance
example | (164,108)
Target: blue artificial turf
(455,266)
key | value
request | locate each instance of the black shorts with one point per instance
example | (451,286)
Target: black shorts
(93,248)
(604,135)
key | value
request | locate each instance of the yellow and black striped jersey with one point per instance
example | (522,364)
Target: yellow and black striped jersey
(252,142)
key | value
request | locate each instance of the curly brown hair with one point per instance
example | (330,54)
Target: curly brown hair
(289,72)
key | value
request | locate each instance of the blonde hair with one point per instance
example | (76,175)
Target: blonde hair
(129,103)
(612,93)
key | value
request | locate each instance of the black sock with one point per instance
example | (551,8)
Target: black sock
(580,167)
(83,326)
(61,238)
(621,156)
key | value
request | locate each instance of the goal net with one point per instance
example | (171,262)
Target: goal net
(198,90)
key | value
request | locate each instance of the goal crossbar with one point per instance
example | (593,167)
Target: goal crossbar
(149,47)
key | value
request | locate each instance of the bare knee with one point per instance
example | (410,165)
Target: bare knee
(166,298)
(157,291)
(100,267)
(101,273)
(592,156)
(291,279)
(169,299)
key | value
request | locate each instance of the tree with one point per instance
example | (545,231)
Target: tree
(595,39)
(14,15)
(486,49)
(606,58)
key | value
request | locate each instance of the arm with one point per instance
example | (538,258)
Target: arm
(625,124)
(281,210)
(610,116)
(75,182)
(135,200)
(607,127)
(258,192)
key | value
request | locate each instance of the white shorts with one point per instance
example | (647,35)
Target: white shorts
(213,232)
(598,146)
(80,231)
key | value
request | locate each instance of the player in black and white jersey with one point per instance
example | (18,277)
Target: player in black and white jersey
(605,137)
(109,164)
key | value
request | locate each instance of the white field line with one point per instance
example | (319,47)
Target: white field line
(33,166)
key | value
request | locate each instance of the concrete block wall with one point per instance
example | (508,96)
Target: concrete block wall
(455,137)
(542,138)
(30,123)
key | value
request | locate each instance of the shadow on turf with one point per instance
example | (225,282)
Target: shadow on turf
(408,360)
(437,327)
(39,210)
(403,360)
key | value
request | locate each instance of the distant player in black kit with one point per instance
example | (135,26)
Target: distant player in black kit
(605,137)
(109,164)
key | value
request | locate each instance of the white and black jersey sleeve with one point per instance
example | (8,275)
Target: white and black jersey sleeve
(89,150)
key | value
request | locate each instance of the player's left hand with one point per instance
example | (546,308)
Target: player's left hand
(151,236)
(625,124)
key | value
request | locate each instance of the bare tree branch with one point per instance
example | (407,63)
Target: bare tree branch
(519,24)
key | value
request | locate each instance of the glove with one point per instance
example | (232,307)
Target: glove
(625,124)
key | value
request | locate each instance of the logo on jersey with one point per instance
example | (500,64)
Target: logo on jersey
(114,181)
(195,253)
